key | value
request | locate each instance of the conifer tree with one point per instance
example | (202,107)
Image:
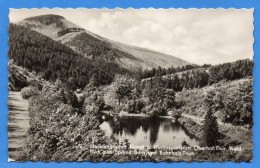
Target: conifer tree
(210,135)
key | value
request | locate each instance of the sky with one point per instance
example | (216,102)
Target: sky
(199,36)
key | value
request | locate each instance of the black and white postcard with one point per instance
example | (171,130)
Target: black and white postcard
(122,85)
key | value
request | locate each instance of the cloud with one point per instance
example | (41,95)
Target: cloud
(196,35)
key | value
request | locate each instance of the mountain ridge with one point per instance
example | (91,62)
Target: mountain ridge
(127,56)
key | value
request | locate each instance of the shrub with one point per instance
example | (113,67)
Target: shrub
(29,91)
(135,106)
(56,130)
(191,126)
(176,114)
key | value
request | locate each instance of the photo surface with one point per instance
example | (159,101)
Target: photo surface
(122,85)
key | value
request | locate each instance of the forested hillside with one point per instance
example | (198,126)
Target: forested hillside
(54,60)
(96,47)
(189,77)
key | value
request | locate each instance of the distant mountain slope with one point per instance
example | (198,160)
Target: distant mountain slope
(96,47)
(54,60)
(149,58)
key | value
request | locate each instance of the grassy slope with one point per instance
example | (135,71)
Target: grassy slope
(149,58)
(132,57)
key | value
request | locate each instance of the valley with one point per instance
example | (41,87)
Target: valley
(78,90)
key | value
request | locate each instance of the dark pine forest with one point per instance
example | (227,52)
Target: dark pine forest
(54,60)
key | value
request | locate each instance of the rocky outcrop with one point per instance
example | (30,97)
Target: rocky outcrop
(20,78)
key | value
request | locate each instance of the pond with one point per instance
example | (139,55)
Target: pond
(146,131)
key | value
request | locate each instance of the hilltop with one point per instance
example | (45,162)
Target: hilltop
(95,47)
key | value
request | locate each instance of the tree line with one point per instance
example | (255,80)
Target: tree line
(197,77)
(165,71)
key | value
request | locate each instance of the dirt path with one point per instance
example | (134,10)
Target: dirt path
(18,124)
(199,120)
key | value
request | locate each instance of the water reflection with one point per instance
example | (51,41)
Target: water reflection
(146,131)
